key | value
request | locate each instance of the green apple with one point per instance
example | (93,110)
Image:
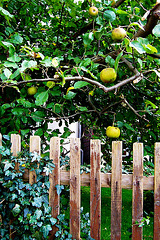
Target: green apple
(113,132)
(108,75)
(93,11)
(118,34)
(32,90)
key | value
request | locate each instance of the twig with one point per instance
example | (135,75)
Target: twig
(135,112)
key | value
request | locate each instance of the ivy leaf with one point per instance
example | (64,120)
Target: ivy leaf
(38,213)
(46,229)
(41,98)
(53,220)
(59,188)
(37,202)
(16,210)
(8,165)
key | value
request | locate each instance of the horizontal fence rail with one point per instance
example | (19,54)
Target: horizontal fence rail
(96,179)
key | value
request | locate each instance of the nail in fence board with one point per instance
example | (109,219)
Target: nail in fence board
(137,193)
(75,188)
(95,189)
(116,190)
(35,142)
(54,179)
(157,191)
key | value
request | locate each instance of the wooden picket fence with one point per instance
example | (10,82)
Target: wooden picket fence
(96,179)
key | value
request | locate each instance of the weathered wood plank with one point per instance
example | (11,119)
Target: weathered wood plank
(157,191)
(15,146)
(116,190)
(95,189)
(75,188)
(15,149)
(54,178)
(34,147)
(137,198)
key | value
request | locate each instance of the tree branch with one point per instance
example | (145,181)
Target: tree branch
(135,112)
(118,3)
(137,76)
(153,16)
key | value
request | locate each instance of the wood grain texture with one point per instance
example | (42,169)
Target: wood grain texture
(137,193)
(34,147)
(15,146)
(54,179)
(95,189)
(116,190)
(75,199)
(157,191)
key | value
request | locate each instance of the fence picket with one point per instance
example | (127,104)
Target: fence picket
(54,178)
(157,191)
(137,198)
(116,190)
(95,189)
(75,188)
(15,146)
(34,147)
(116,180)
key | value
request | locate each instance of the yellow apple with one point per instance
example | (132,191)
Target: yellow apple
(93,11)
(118,33)
(108,75)
(32,90)
(112,132)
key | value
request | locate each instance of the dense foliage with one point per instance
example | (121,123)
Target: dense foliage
(58,41)
(25,212)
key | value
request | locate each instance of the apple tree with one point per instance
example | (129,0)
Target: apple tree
(59,48)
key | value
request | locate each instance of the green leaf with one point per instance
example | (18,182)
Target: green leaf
(7,72)
(38,213)
(156,30)
(69,95)
(88,38)
(16,210)
(59,188)
(46,229)
(117,61)
(8,165)
(110,60)
(83,109)
(5,13)
(38,116)
(129,127)
(37,202)
(109,15)
(138,46)
(41,98)
(80,84)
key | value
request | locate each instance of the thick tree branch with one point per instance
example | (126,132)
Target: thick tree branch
(153,16)
(137,76)
(118,3)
